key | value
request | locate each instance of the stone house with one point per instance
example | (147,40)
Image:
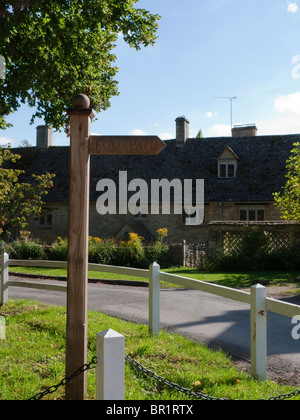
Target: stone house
(240,175)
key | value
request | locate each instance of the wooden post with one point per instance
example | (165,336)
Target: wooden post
(4,278)
(258,332)
(76,340)
(110,369)
(183,252)
(154,298)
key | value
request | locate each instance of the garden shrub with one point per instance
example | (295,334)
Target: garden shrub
(58,250)
(26,250)
(254,254)
(131,253)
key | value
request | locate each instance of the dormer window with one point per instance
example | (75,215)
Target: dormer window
(227,169)
(227,164)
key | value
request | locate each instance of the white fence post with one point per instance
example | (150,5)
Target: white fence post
(154,298)
(258,332)
(4,278)
(110,369)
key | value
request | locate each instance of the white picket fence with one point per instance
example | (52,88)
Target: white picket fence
(259,304)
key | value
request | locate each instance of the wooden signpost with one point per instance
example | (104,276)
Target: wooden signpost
(82,145)
(125,145)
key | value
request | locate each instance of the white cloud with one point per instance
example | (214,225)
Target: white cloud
(166,136)
(138,132)
(219,130)
(292,7)
(288,104)
(211,114)
(4,141)
(162,136)
(281,125)
(287,120)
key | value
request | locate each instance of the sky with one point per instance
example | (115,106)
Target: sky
(207,52)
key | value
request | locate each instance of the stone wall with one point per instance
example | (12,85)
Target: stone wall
(210,234)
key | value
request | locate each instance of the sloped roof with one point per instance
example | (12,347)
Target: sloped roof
(260,171)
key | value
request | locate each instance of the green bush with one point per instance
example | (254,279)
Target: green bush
(131,253)
(58,251)
(102,251)
(254,255)
(26,250)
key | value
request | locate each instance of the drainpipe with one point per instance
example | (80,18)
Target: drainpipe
(221,211)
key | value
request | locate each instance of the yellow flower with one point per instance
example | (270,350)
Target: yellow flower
(134,237)
(162,233)
(95,239)
(24,233)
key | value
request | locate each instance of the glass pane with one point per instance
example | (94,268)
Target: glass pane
(49,219)
(243,215)
(252,215)
(230,171)
(260,215)
(223,171)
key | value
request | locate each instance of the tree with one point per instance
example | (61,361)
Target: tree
(55,50)
(199,134)
(25,143)
(19,200)
(288,200)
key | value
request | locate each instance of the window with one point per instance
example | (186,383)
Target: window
(227,169)
(227,164)
(46,220)
(251,214)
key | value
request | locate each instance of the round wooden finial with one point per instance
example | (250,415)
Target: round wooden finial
(81,101)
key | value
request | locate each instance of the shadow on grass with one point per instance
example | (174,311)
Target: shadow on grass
(239,279)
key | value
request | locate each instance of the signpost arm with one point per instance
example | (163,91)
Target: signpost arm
(76,334)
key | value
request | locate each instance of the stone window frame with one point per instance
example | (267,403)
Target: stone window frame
(46,220)
(257,213)
(228,163)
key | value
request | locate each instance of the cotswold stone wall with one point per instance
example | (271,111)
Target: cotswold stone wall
(187,243)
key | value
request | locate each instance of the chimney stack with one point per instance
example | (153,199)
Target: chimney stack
(247,130)
(43,136)
(182,131)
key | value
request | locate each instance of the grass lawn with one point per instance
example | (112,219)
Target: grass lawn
(239,279)
(229,279)
(61,272)
(33,359)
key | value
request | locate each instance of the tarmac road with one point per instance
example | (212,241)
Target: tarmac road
(209,319)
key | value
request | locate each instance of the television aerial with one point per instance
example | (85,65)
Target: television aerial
(230,98)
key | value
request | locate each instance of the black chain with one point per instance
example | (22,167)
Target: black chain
(285,396)
(65,380)
(160,379)
(150,374)
(199,395)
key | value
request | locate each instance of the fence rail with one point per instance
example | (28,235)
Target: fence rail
(259,303)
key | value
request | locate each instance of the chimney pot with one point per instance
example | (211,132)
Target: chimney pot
(43,136)
(182,131)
